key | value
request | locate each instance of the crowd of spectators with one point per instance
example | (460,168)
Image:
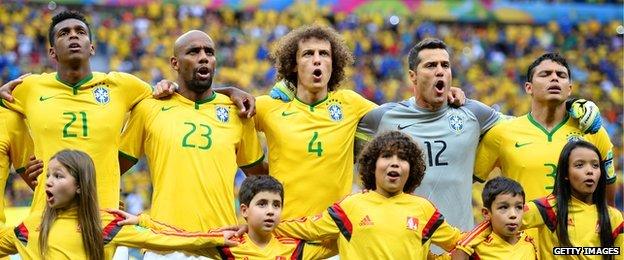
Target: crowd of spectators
(489,60)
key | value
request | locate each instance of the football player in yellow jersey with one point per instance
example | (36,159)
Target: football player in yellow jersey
(15,148)
(310,138)
(526,148)
(503,204)
(194,143)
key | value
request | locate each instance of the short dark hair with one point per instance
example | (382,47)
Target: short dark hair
(284,54)
(428,43)
(554,56)
(62,16)
(498,186)
(397,143)
(253,185)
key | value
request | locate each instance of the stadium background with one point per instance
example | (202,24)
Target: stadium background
(491,43)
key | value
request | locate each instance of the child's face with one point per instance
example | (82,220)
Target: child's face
(61,186)
(391,173)
(263,212)
(584,172)
(505,215)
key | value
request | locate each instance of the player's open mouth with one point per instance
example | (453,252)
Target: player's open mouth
(203,73)
(269,222)
(589,182)
(439,86)
(317,73)
(74,47)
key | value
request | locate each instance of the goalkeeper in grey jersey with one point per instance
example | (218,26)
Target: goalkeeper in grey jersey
(448,136)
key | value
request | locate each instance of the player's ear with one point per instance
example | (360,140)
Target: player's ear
(91,49)
(52,53)
(528,88)
(486,213)
(412,76)
(173,61)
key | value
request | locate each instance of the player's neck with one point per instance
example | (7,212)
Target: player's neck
(549,116)
(73,75)
(310,97)
(261,239)
(192,95)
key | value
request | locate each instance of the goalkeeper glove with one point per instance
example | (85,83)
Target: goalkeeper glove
(283,90)
(587,114)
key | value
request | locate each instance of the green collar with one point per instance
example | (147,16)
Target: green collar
(78,84)
(540,127)
(311,106)
(206,100)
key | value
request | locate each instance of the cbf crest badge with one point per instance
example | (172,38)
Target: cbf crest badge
(223,114)
(456,123)
(101,95)
(335,112)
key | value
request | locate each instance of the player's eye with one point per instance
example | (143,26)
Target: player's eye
(562,75)
(446,65)
(277,204)
(324,53)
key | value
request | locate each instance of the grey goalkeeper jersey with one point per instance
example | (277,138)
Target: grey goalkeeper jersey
(449,139)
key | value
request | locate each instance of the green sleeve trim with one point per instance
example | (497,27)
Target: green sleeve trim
(253,163)
(363,136)
(129,157)
(23,169)
(2,104)
(612,179)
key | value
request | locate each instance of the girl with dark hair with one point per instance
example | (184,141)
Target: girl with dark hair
(576,213)
(72,226)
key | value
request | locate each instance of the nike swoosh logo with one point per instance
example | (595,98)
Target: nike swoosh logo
(42,98)
(401,127)
(288,113)
(166,108)
(520,145)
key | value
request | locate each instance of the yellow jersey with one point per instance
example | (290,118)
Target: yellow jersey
(371,226)
(65,239)
(528,153)
(15,148)
(87,116)
(193,150)
(311,147)
(583,225)
(494,247)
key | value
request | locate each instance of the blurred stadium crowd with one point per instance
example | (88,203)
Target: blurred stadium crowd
(489,60)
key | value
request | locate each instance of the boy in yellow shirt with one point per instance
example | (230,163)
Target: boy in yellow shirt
(503,203)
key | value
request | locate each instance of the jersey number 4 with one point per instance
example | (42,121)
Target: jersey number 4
(315,146)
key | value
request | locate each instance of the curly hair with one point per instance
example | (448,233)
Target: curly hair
(397,143)
(284,54)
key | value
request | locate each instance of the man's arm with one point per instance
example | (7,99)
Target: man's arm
(328,225)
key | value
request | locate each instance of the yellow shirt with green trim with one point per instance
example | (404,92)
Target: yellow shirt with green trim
(494,247)
(87,116)
(583,226)
(371,226)
(15,148)
(311,147)
(528,153)
(193,150)
(65,239)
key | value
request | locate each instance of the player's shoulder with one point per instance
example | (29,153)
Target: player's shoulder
(122,79)
(346,94)
(33,80)
(267,101)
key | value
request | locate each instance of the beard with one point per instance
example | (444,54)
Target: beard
(199,86)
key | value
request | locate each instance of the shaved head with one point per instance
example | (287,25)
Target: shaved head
(186,38)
